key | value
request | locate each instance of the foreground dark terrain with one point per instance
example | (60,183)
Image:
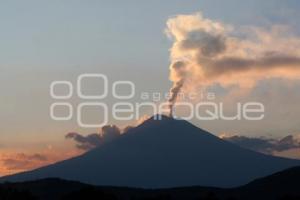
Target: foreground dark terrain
(284,185)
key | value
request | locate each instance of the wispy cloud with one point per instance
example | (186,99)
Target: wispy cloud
(12,161)
(22,161)
(265,145)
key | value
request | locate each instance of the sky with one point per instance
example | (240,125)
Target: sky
(44,41)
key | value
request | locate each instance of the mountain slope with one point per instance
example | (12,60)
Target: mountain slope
(164,153)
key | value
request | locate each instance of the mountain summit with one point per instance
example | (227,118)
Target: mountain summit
(164,153)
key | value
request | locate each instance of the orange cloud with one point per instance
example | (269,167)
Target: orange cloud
(13,162)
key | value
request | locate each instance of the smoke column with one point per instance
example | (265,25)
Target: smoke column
(178,71)
(174,93)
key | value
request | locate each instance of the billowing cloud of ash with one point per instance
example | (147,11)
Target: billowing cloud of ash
(90,141)
(106,134)
(128,128)
(110,132)
(85,142)
(206,52)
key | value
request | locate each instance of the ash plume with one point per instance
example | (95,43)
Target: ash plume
(174,93)
(207,52)
(179,70)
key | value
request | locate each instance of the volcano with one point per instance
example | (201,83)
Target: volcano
(163,153)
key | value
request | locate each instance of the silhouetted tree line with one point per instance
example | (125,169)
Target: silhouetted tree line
(94,193)
(90,193)
(289,197)
(14,194)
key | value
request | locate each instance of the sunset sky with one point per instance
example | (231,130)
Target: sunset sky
(44,41)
